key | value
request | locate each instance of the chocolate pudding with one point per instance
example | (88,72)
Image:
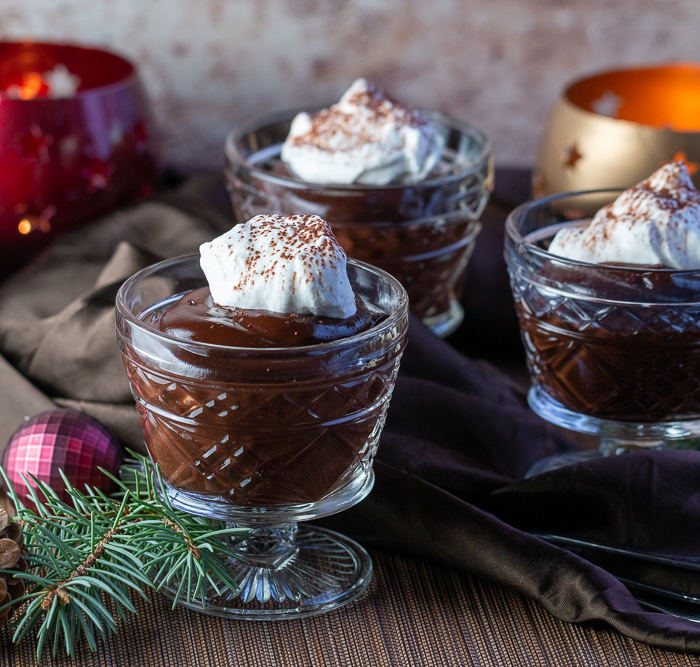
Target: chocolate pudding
(196,317)
(258,443)
(609,306)
(421,231)
(251,406)
(606,350)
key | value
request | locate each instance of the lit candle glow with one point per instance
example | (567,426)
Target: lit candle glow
(55,83)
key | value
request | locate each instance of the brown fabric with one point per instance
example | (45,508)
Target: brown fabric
(57,332)
(57,316)
(21,399)
(414,614)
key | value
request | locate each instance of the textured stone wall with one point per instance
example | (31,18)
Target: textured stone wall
(208,64)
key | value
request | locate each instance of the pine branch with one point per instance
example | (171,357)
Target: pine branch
(88,556)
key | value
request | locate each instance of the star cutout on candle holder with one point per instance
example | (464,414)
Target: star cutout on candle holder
(35,145)
(116,133)
(61,82)
(98,174)
(140,134)
(608,104)
(69,147)
(680,156)
(572,155)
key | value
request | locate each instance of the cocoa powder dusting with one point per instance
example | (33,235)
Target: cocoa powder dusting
(668,190)
(307,238)
(333,129)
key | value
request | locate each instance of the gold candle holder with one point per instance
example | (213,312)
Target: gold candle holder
(615,128)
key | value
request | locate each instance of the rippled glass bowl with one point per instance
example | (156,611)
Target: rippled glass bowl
(265,437)
(423,232)
(612,351)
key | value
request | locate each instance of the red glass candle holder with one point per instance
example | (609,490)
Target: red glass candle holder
(68,158)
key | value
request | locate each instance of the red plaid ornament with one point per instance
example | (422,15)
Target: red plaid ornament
(65,440)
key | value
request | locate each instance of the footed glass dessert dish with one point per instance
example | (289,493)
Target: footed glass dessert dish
(421,232)
(264,438)
(612,350)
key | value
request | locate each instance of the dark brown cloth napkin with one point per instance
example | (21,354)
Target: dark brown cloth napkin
(458,438)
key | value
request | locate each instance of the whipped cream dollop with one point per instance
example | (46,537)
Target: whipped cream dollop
(285,264)
(366,137)
(656,222)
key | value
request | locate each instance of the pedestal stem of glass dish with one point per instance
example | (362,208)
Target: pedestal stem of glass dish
(616,437)
(266,546)
(284,571)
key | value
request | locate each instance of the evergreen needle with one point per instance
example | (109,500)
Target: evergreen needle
(87,555)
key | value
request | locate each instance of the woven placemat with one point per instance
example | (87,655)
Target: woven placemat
(415,613)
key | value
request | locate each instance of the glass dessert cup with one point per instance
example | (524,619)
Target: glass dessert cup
(612,351)
(263,438)
(422,232)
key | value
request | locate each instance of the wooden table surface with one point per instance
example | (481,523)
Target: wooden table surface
(415,613)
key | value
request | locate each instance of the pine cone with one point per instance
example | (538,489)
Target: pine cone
(11,561)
